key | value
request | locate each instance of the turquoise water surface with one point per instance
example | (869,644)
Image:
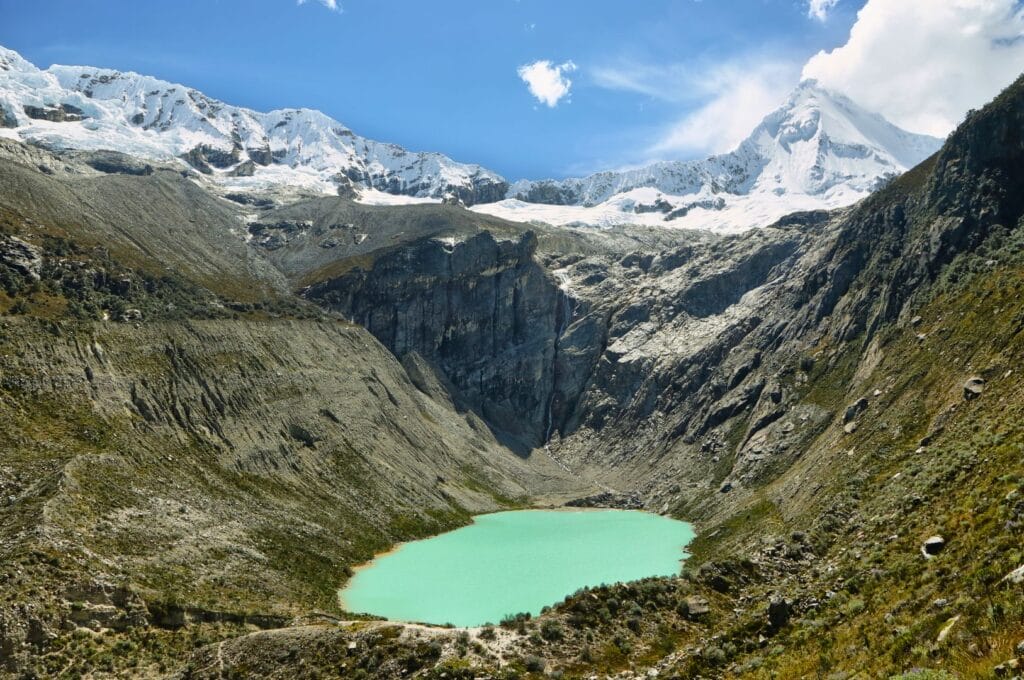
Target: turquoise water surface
(518,561)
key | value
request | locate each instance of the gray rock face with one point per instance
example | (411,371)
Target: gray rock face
(615,342)
(481,310)
(244,169)
(20,256)
(114,163)
(64,113)
(204,158)
(7,119)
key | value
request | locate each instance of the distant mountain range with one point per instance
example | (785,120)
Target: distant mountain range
(82,107)
(819,150)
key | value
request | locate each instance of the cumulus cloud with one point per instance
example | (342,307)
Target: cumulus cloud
(922,64)
(329,4)
(547,81)
(819,9)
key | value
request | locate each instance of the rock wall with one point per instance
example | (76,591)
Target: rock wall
(482,311)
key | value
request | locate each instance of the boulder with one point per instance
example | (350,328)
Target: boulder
(779,612)
(974,387)
(933,546)
(21,256)
(695,608)
(855,409)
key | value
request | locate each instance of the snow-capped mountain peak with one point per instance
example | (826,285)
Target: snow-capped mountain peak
(818,150)
(83,107)
(820,139)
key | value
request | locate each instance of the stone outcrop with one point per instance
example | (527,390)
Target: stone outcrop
(62,113)
(205,158)
(21,256)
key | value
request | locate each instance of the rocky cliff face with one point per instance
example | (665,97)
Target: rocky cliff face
(482,311)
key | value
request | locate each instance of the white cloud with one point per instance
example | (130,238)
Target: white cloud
(329,4)
(546,81)
(740,102)
(819,9)
(922,64)
(672,82)
(726,101)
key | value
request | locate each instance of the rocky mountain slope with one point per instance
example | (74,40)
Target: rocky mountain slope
(82,107)
(818,150)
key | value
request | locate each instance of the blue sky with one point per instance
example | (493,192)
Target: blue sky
(651,79)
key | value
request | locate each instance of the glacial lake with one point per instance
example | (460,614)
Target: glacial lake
(518,561)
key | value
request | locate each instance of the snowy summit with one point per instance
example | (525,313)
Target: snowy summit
(818,150)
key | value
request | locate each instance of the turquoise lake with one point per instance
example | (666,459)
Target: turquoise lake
(519,561)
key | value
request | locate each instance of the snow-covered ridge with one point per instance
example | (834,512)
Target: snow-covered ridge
(82,107)
(818,150)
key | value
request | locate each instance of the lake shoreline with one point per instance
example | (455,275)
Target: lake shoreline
(617,545)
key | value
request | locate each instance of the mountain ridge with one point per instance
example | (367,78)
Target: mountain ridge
(242,148)
(818,150)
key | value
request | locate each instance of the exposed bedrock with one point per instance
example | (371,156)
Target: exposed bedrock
(487,315)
